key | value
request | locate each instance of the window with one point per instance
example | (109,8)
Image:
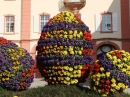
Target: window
(104,49)
(43,20)
(106,22)
(9,25)
(39,21)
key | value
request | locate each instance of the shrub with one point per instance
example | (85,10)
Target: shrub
(16,66)
(111,72)
(65,49)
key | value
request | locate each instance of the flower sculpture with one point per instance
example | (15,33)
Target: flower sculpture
(111,72)
(65,49)
(16,66)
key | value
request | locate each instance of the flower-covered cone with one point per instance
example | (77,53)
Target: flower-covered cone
(65,49)
(111,72)
(16,66)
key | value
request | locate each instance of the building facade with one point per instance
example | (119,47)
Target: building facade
(22,20)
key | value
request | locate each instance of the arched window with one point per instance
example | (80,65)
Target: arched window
(104,49)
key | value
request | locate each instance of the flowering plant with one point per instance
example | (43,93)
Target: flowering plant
(16,66)
(111,72)
(65,49)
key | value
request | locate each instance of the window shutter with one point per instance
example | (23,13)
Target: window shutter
(1,24)
(98,22)
(114,22)
(84,18)
(36,23)
(17,24)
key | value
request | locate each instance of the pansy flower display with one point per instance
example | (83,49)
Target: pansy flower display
(16,66)
(111,72)
(65,49)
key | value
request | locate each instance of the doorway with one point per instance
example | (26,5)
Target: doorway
(38,69)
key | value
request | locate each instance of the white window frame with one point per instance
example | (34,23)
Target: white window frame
(107,24)
(9,22)
(44,21)
(114,22)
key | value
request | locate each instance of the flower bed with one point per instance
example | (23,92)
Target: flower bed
(16,66)
(111,72)
(65,49)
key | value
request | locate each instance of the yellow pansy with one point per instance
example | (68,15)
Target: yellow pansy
(128,73)
(94,88)
(125,59)
(65,36)
(126,86)
(78,36)
(3,79)
(75,32)
(54,32)
(74,35)
(118,60)
(120,66)
(6,78)
(65,52)
(76,81)
(113,80)
(117,88)
(70,49)
(127,53)
(123,86)
(65,32)
(128,57)
(101,69)
(81,48)
(113,85)
(76,22)
(70,36)
(103,75)
(122,51)
(80,52)
(112,90)
(124,55)
(6,70)
(108,74)
(98,75)
(123,70)
(72,52)
(98,79)
(96,82)
(94,79)
(81,33)
(110,58)
(104,95)
(12,58)
(70,32)
(114,57)
(125,65)
(97,61)
(99,91)
(114,62)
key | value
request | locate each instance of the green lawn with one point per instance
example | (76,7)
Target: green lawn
(56,91)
